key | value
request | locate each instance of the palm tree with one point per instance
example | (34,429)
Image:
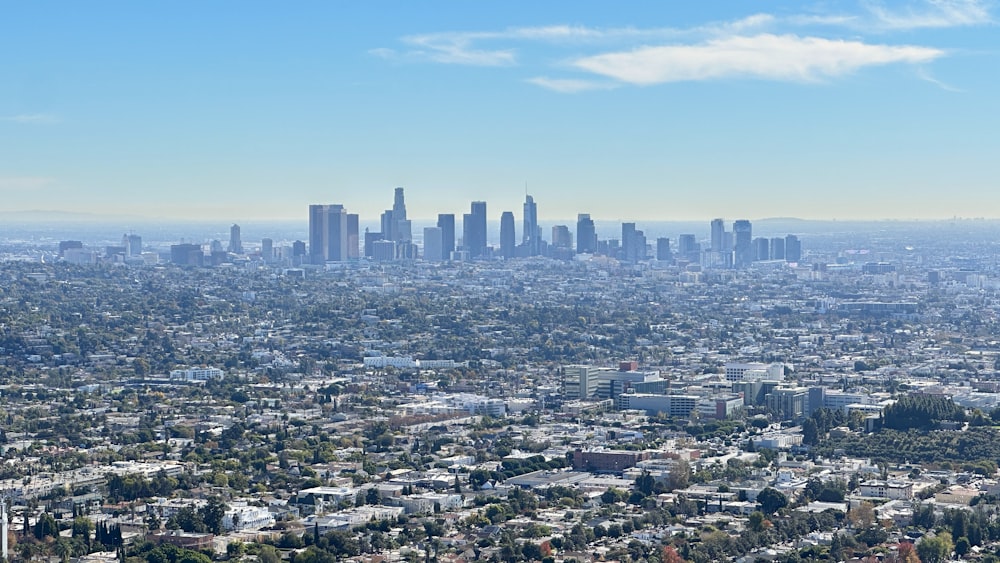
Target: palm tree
(62,549)
(27,550)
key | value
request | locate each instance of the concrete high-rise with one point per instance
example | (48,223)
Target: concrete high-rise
(561,237)
(688,248)
(663,249)
(395,226)
(327,233)
(761,249)
(531,237)
(474,230)
(235,243)
(267,250)
(433,248)
(580,381)
(132,244)
(317,234)
(793,248)
(742,243)
(446,222)
(353,240)
(628,242)
(718,236)
(586,234)
(369,243)
(633,243)
(507,236)
(777,248)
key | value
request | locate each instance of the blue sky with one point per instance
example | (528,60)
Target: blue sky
(640,110)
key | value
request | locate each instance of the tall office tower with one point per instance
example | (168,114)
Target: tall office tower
(266,249)
(132,244)
(628,242)
(761,249)
(793,248)
(777,248)
(432,244)
(633,243)
(446,222)
(718,235)
(507,236)
(298,249)
(388,225)
(399,229)
(398,205)
(663,249)
(384,251)
(743,243)
(474,230)
(317,234)
(336,233)
(370,240)
(561,237)
(353,221)
(688,248)
(586,234)
(327,233)
(531,237)
(235,244)
(639,246)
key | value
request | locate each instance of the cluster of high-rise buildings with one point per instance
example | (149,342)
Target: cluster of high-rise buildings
(334,236)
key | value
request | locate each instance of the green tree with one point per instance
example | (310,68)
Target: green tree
(935,549)
(810,432)
(771,500)
(962,546)
(212,514)
(268,554)
(81,529)
(46,527)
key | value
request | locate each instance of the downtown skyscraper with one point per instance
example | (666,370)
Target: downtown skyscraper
(328,234)
(586,234)
(474,230)
(531,238)
(508,247)
(395,226)
(446,222)
(742,243)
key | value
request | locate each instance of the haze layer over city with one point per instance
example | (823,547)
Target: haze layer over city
(567,283)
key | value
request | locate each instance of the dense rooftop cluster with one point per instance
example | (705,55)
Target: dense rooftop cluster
(843,406)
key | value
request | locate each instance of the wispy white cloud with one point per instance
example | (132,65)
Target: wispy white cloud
(569,85)
(831,20)
(932,14)
(924,75)
(765,56)
(383,53)
(761,46)
(472,47)
(460,47)
(23,183)
(457,48)
(36,118)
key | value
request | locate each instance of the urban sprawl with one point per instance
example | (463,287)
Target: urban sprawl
(379,396)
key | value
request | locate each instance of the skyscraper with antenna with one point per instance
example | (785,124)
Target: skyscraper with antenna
(531,237)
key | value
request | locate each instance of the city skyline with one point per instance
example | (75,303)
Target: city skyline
(645,112)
